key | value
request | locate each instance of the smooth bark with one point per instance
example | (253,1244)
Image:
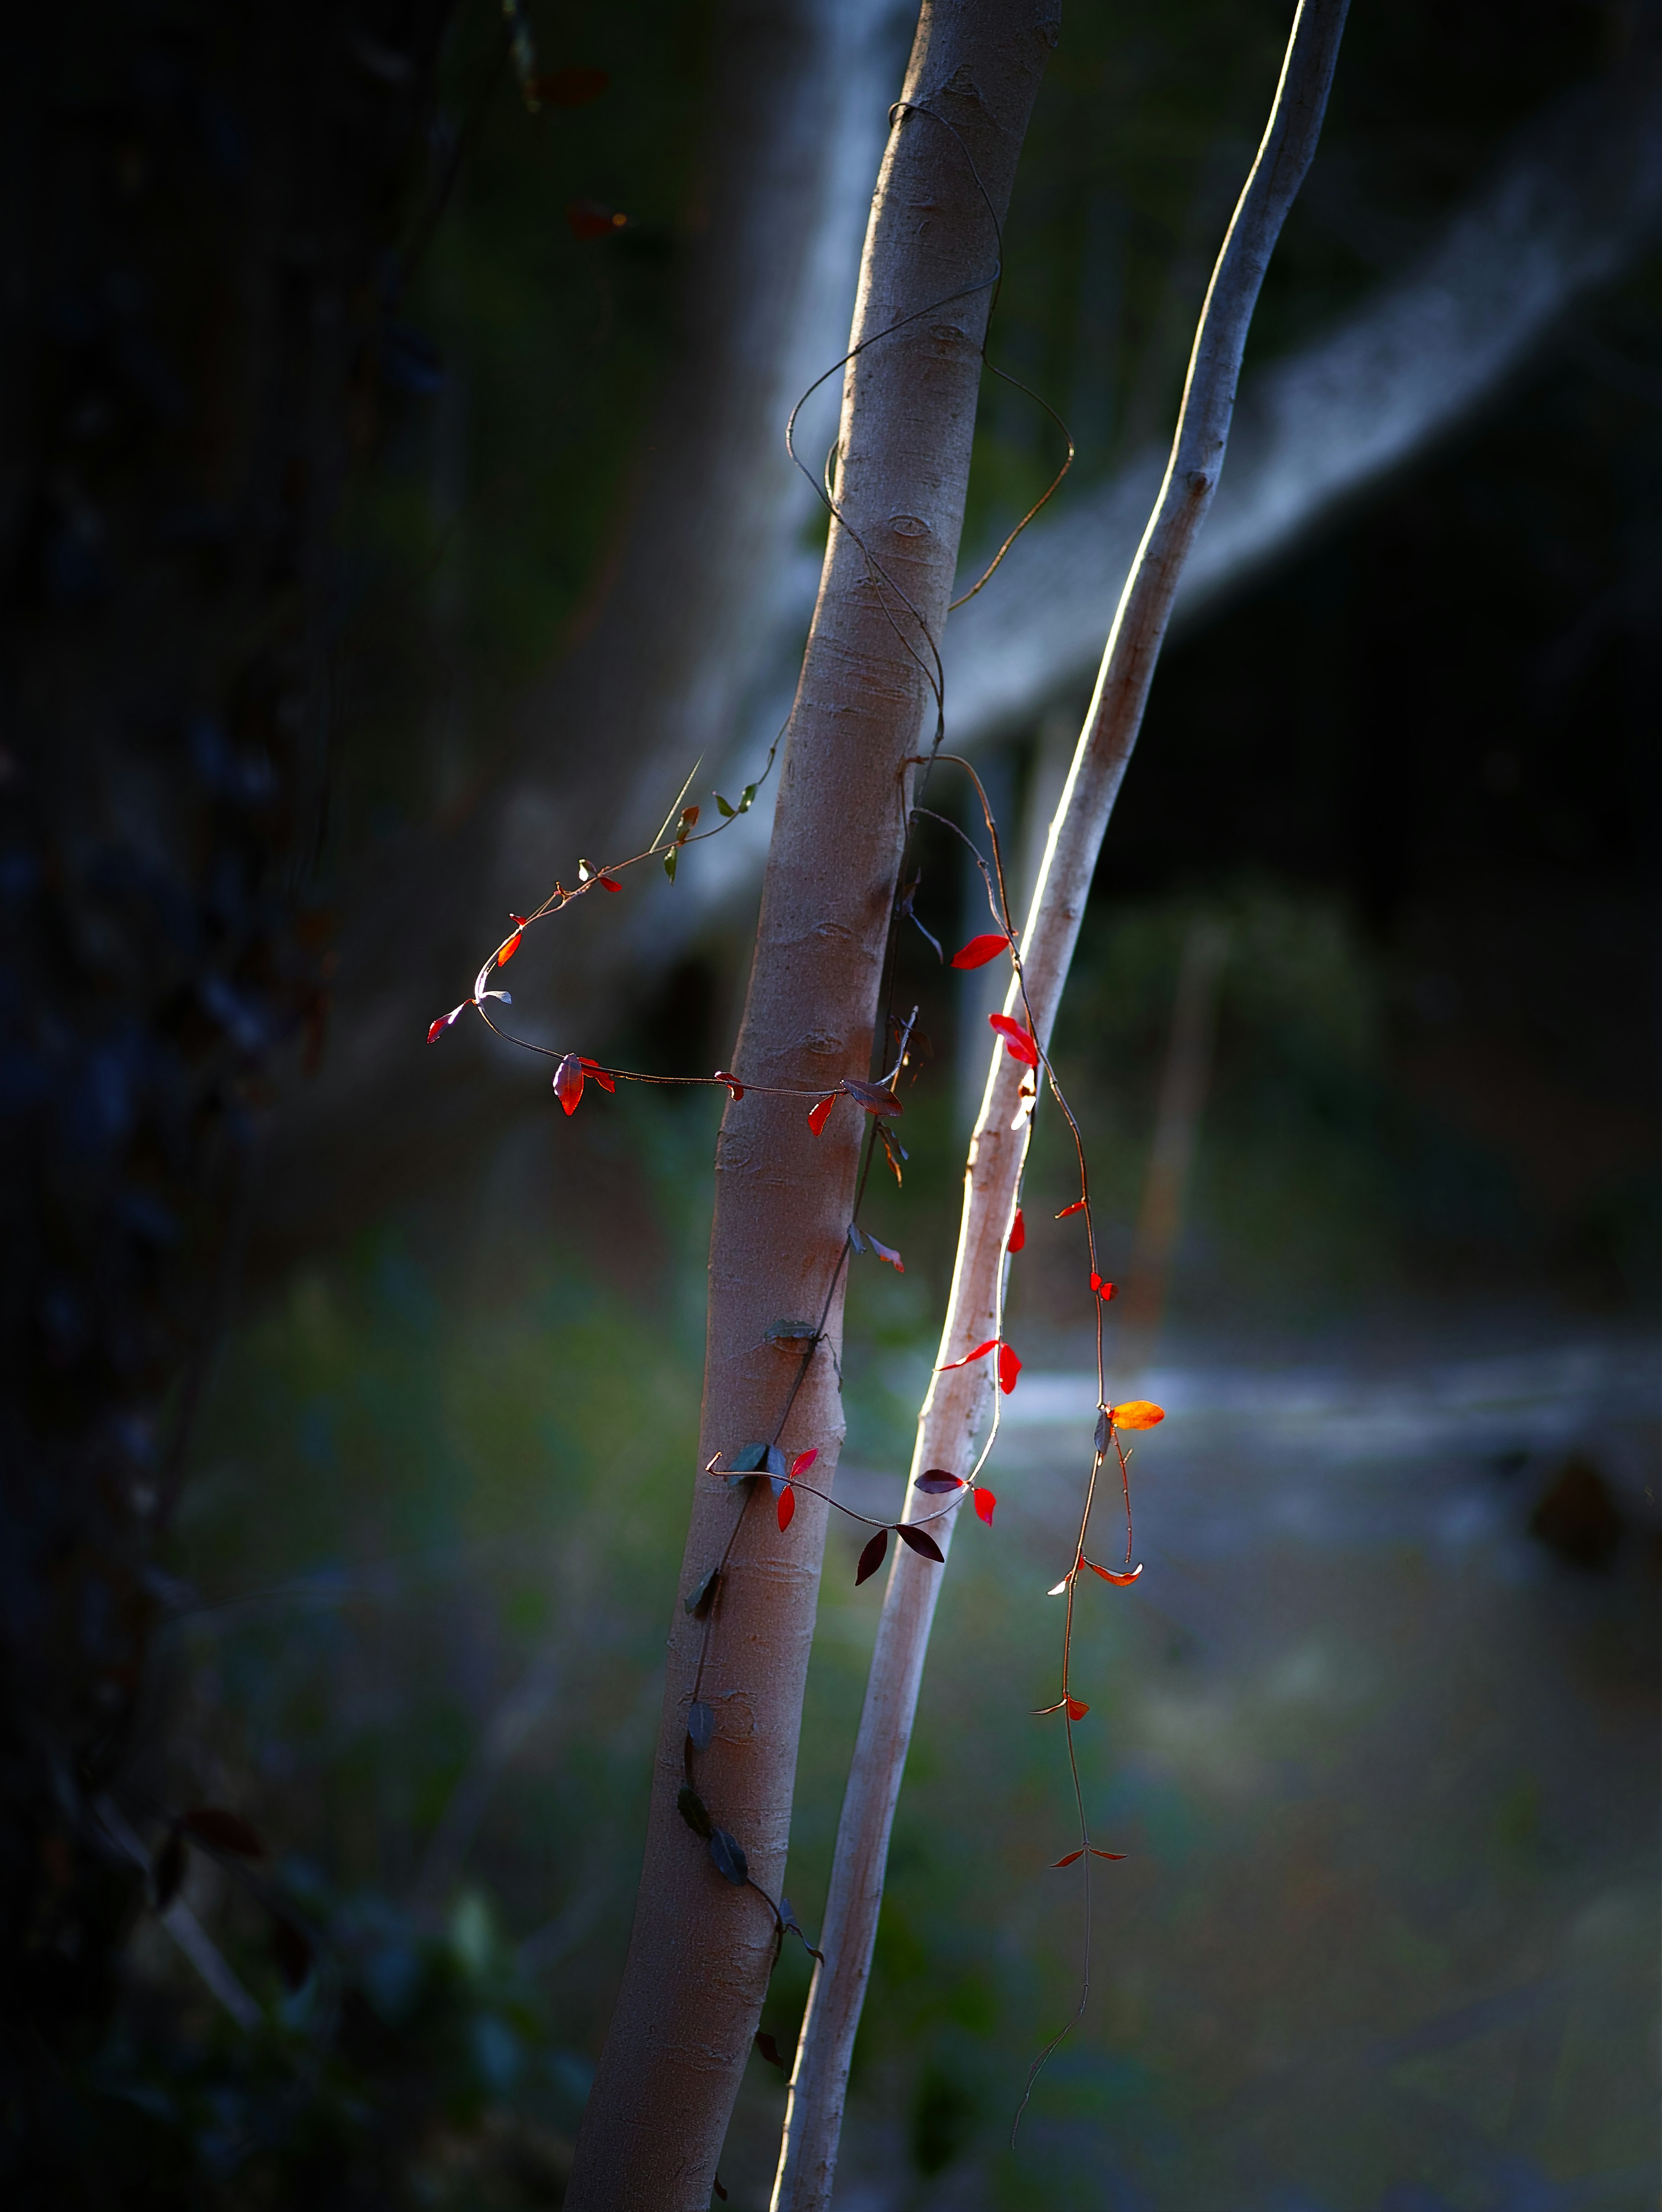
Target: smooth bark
(957,1404)
(701,1949)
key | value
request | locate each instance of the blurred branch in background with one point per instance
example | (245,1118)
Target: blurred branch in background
(1171,1156)
(706,600)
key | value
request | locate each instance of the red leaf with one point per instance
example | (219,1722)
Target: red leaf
(1069,1859)
(1105,1291)
(568,1082)
(731,1081)
(937,1482)
(1077,1207)
(600,1075)
(228,1832)
(886,1252)
(803,1461)
(1009,1368)
(571,87)
(589,219)
(979,951)
(817,1115)
(872,1558)
(688,815)
(980,1352)
(441,1023)
(607,884)
(1109,1576)
(1017,1042)
(509,946)
(445,1020)
(1096,1854)
(922,1543)
(1076,1711)
(786,1508)
(1018,1233)
(984,1502)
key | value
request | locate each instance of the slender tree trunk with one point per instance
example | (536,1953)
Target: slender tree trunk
(702,1948)
(957,1404)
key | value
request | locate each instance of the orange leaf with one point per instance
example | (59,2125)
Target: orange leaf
(984,1502)
(1018,1233)
(1096,1854)
(505,951)
(979,951)
(1109,1576)
(1071,1856)
(980,1352)
(1136,1414)
(1009,1368)
(1078,1206)
(1076,1711)
(786,1506)
(803,1461)
(601,1075)
(817,1115)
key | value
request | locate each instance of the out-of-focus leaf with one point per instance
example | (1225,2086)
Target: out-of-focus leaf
(168,1869)
(698,1602)
(1070,1858)
(872,1558)
(922,1542)
(226,1831)
(589,219)
(701,1724)
(1009,1368)
(571,86)
(938,1482)
(291,1950)
(693,1810)
(855,1237)
(979,951)
(727,1858)
(768,2049)
(886,1252)
(1136,1413)
(1096,1854)
(1018,1233)
(984,1503)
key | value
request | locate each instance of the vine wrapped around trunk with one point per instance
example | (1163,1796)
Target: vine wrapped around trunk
(702,1946)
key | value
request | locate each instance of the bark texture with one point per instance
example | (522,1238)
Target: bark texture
(702,1950)
(956,1407)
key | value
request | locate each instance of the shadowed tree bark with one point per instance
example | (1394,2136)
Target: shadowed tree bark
(702,1946)
(197,204)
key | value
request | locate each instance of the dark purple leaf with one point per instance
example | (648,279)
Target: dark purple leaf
(727,1858)
(872,1558)
(720,2192)
(875,1097)
(701,1724)
(937,1481)
(693,1810)
(1101,1432)
(769,2050)
(698,1603)
(921,1542)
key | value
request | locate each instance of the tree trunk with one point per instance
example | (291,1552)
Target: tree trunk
(957,1403)
(701,1949)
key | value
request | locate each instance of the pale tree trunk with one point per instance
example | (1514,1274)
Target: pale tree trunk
(702,1948)
(957,1405)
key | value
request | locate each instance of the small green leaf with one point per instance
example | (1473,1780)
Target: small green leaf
(669,864)
(746,797)
(727,812)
